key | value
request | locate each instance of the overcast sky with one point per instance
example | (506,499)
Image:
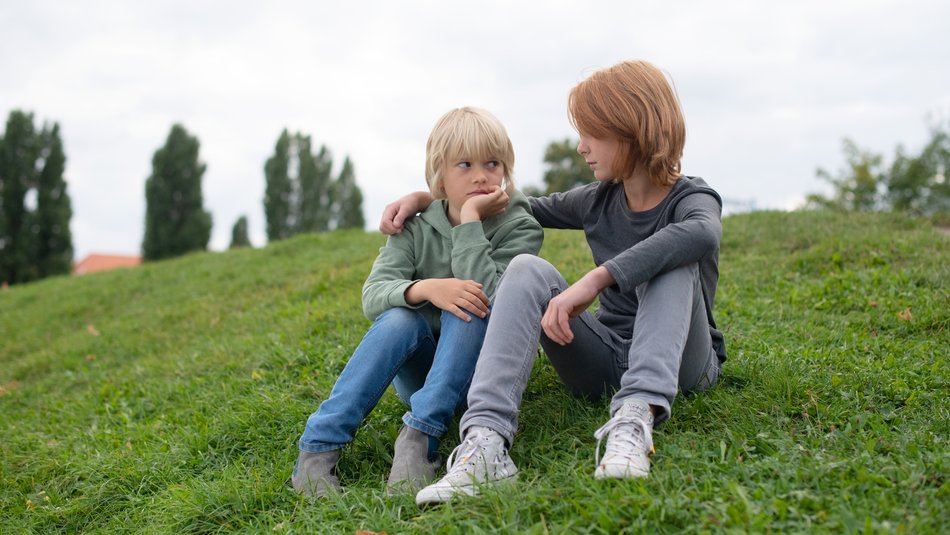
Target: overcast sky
(768,89)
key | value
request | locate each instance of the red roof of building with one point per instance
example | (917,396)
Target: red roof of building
(102,262)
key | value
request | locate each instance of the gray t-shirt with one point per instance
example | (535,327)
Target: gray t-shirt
(637,246)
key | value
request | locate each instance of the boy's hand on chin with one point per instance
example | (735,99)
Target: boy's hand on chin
(481,207)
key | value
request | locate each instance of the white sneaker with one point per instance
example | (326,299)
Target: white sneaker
(629,442)
(479,460)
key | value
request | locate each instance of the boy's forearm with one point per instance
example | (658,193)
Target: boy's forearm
(422,199)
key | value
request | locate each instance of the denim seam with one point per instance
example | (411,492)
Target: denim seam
(319,448)
(536,335)
(419,425)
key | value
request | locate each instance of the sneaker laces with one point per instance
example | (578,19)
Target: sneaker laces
(467,452)
(624,438)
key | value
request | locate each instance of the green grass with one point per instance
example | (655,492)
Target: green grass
(169,398)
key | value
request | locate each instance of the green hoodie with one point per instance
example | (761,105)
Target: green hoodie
(429,247)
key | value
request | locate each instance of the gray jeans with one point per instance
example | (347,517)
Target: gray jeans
(671,347)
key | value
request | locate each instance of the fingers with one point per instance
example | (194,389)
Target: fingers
(485,206)
(501,203)
(474,301)
(404,213)
(457,312)
(556,323)
(564,326)
(394,215)
(497,201)
(460,296)
(391,223)
(549,325)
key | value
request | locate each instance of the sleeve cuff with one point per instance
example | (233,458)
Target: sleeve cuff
(398,296)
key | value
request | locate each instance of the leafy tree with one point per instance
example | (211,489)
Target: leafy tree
(301,194)
(175,219)
(912,183)
(565,167)
(35,240)
(239,234)
(348,211)
(857,185)
(919,184)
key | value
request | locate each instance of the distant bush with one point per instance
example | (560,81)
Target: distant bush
(916,184)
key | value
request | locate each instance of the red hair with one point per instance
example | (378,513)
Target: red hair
(634,103)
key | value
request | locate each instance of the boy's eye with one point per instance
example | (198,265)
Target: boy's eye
(464,164)
(493,164)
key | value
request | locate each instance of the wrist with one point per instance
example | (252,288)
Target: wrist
(599,278)
(469,215)
(415,293)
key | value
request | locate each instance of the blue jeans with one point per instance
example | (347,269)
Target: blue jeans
(431,376)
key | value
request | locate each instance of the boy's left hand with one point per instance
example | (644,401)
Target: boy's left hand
(563,308)
(570,303)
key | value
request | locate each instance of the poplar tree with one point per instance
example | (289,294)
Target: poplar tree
(301,194)
(175,219)
(314,181)
(348,209)
(52,239)
(18,154)
(35,210)
(239,234)
(279,198)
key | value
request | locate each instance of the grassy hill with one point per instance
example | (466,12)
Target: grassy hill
(169,398)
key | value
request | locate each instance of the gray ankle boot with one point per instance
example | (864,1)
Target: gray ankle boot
(415,460)
(315,473)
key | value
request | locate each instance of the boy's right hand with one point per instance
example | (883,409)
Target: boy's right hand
(452,295)
(481,207)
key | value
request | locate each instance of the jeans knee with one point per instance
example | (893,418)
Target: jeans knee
(686,276)
(403,319)
(526,272)
(451,322)
(527,264)
(680,275)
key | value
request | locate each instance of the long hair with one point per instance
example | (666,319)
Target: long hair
(634,103)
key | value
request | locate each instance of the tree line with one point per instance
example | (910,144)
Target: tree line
(301,195)
(914,183)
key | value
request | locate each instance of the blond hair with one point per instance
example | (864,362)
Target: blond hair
(633,102)
(467,133)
